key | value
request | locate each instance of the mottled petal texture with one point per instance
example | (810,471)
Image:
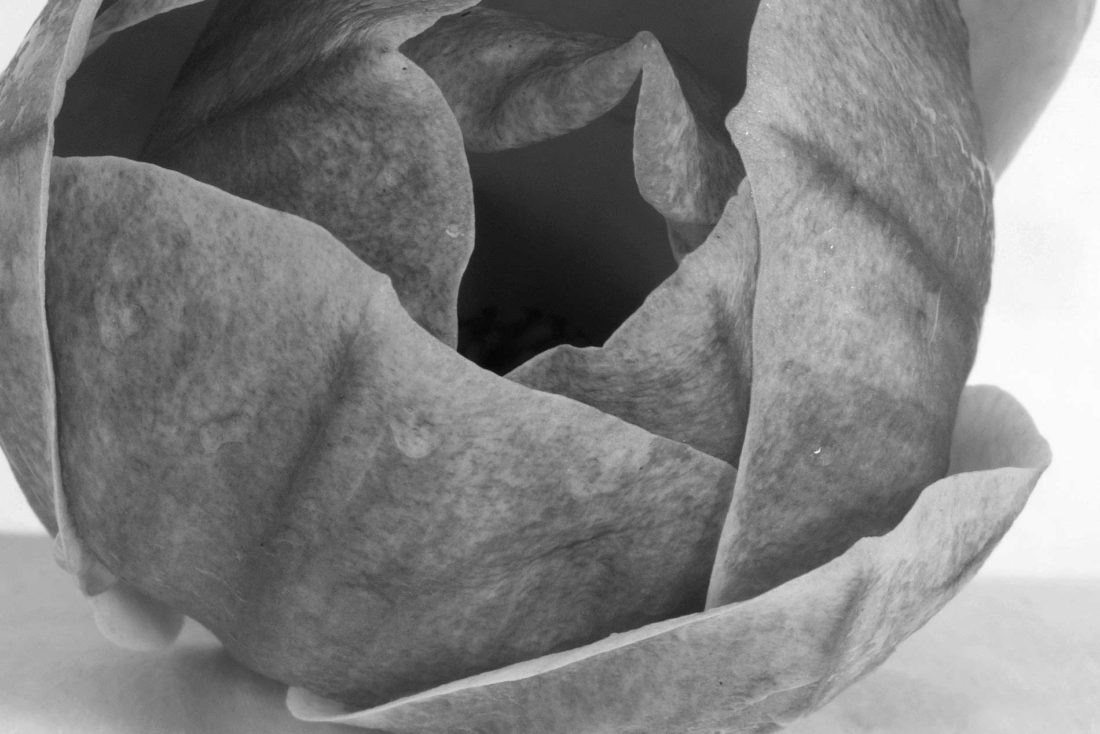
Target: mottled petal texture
(30,96)
(255,432)
(679,367)
(865,154)
(513,81)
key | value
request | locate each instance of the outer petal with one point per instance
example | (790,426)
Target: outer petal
(750,666)
(29,99)
(256,434)
(864,151)
(1019,53)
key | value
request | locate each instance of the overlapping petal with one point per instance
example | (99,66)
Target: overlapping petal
(512,82)
(124,14)
(1019,53)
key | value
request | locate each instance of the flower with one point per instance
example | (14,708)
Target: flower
(255,429)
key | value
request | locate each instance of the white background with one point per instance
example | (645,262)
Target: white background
(1042,329)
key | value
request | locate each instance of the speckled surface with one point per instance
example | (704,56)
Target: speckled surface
(864,150)
(30,96)
(680,365)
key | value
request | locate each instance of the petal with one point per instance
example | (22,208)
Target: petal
(129,67)
(257,434)
(753,665)
(513,82)
(685,163)
(874,208)
(30,95)
(312,110)
(680,366)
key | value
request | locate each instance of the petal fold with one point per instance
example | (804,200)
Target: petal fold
(1019,54)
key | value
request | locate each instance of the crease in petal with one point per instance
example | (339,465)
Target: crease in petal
(256,434)
(759,664)
(864,150)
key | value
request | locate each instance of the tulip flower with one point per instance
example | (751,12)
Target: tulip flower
(240,383)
